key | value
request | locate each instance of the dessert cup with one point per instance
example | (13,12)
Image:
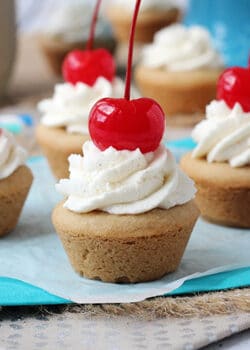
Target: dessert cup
(127,216)
(64,124)
(13,192)
(125,248)
(183,95)
(223,192)
(57,145)
(149,22)
(128,210)
(68,28)
(180,69)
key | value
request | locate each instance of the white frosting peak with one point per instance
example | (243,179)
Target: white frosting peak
(124,182)
(179,48)
(70,105)
(224,136)
(11,154)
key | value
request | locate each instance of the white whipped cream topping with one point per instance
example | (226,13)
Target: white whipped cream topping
(71,22)
(11,154)
(179,48)
(145,4)
(124,182)
(224,136)
(70,105)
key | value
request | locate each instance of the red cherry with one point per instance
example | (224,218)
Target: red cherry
(87,65)
(127,125)
(234,86)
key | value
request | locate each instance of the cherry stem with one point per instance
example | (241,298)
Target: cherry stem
(89,45)
(130,51)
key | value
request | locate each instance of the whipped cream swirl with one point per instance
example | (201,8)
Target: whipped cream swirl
(124,182)
(71,22)
(70,105)
(179,48)
(224,136)
(11,154)
(146,4)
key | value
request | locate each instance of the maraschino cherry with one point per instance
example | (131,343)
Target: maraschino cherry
(127,124)
(87,65)
(234,86)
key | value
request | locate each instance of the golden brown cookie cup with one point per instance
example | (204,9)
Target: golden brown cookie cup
(179,93)
(57,145)
(55,49)
(148,22)
(223,192)
(13,192)
(125,248)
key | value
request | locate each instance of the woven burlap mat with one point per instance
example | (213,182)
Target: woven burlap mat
(207,304)
(203,305)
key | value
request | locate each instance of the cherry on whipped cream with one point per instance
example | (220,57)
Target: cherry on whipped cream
(234,86)
(127,124)
(87,65)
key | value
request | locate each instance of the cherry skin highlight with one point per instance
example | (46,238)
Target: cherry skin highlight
(234,86)
(127,124)
(87,65)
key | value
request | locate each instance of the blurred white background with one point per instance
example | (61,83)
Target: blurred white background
(33,14)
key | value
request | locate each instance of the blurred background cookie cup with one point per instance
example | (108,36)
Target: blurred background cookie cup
(182,95)
(13,192)
(15,181)
(180,69)
(149,22)
(153,16)
(68,29)
(57,145)
(223,192)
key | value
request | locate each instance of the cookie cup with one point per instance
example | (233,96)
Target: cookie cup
(148,22)
(223,194)
(179,93)
(57,145)
(125,248)
(13,192)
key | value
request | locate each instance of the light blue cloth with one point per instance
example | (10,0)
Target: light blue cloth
(15,292)
(35,269)
(181,146)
